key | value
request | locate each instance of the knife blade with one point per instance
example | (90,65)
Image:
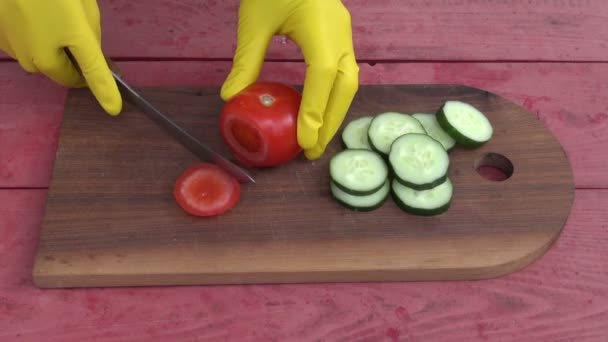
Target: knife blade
(187,140)
(180,134)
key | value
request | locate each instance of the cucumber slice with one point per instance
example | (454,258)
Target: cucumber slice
(362,202)
(419,161)
(354,134)
(465,123)
(387,127)
(432,128)
(426,202)
(358,171)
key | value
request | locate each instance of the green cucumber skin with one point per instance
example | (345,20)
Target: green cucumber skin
(363,209)
(385,156)
(344,146)
(419,187)
(460,139)
(359,208)
(419,211)
(355,192)
(371,145)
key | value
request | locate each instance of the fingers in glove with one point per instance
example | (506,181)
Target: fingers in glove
(253,38)
(344,89)
(16,49)
(318,84)
(26,63)
(248,60)
(6,46)
(96,72)
(55,64)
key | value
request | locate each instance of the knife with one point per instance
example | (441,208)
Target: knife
(180,134)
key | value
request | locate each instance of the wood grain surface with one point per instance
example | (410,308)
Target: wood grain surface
(111,219)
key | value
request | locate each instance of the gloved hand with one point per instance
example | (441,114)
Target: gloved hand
(322,30)
(35,32)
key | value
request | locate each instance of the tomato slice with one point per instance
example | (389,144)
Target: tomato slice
(205,189)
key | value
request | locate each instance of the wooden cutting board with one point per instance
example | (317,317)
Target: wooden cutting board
(111,219)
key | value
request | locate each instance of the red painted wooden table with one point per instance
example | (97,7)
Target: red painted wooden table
(547,55)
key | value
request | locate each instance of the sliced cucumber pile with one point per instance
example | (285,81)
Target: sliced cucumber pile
(432,128)
(465,123)
(354,134)
(405,156)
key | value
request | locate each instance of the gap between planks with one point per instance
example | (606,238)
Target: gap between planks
(371,62)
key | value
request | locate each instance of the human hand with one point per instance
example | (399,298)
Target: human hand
(322,30)
(35,33)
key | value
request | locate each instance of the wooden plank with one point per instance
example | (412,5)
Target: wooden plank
(105,166)
(438,30)
(563,296)
(571,99)
(30,114)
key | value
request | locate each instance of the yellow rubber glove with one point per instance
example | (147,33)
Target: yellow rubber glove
(34,32)
(322,30)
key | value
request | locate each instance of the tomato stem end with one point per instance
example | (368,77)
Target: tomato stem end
(267,100)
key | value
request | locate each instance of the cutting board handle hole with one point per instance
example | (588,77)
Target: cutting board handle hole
(495,167)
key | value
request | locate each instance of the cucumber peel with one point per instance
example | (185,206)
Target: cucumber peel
(361,202)
(467,125)
(434,201)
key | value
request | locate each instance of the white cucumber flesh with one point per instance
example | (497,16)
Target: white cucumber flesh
(358,171)
(354,134)
(432,128)
(386,127)
(419,161)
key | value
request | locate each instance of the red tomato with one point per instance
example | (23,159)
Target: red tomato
(206,190)
(259,124)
